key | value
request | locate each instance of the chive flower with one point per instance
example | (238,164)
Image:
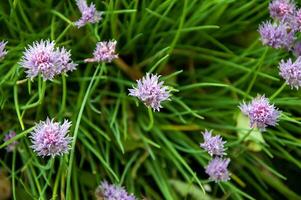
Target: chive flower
(3,52)
(291,72)
(89,13)
(12,145)
(42,57)
(151,91)
(104,52)
(214,145)
(260,112)
(282,9)
(217,169)
(297,20)
(106,191)
(51,138)
(276,36)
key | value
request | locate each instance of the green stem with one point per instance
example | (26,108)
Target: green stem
(20,135)
(76,132)
(41,90)
(151,119)
(278,91)
(63,105)
(13,175)
(17,106)
(56,183)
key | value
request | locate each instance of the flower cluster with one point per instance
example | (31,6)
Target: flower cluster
(89,13)
(260,112)
(51,138)
(282,33)
(44,58)
(151,91)
(3,52)
(287,22)
(291,72)
(217,169)
(108,191)
(282,10)
(104,52)
(276,36)
(12,145)
(214,145)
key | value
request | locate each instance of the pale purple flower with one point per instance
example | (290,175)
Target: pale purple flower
(276,36)
(89,13)
(217,169)
(12,145)
(64,58)
(44,58)
(3,52)
(51,138)
(151,91)
(282,9)
(291,72)
(214,145)
(260,112)
(108,191)
(297,20)
(104,52)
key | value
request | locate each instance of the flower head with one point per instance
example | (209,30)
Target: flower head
(281,9)
(291,72)
(89,13)
(104,52)
(43,58)
(217,169)
(296,19)
(214,145)
(276,36)
(260,112)
(3,52)
(51,138)
(108,191)
(64,60)
(12,145)
(151,91)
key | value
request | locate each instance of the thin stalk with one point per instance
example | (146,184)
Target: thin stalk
(151,119)
(68,189)
(278,91)
(17,106)
(64,95)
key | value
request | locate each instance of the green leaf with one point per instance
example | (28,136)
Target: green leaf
(245,133)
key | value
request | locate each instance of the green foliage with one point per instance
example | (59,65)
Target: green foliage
(208,51)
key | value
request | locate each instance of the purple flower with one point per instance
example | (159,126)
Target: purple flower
(151,91)
(12,145)
(43,58)
(217,169)
(276,36)
(89,13)
(64,58)
(282,9)
(108,191)
(260,112)
(104,52)
(3,52)
(51,138)
(214,145)
(297,20)
(291,72)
